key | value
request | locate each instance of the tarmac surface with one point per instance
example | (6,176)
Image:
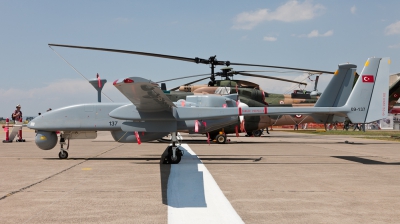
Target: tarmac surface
(284,177)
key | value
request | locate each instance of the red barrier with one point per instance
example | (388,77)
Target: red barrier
(7,132)
(20,132)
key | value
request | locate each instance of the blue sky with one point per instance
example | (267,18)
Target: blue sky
(307,34)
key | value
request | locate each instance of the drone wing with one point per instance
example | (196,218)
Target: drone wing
(144,94)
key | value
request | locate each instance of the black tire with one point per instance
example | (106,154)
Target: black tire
(221,139)
(257,133)
(63,154)
(177,159)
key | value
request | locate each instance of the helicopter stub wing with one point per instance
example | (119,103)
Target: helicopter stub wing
(144,94)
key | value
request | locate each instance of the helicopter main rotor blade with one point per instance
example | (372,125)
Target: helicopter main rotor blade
(212,60)
(185,77)
(271,77)
(274,71)
(125,52)
(188,83)
(290,68)
(195,60)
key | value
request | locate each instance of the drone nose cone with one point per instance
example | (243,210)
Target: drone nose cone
(36,123)
(31,124)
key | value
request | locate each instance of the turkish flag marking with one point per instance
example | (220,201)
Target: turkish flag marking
(367,78)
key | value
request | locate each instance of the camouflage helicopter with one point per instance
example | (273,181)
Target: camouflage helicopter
(248,93)
(251,95)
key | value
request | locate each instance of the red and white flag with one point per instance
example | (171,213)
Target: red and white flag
(367,78)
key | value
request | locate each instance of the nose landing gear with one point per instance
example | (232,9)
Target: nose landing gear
(174,154)
(63,154)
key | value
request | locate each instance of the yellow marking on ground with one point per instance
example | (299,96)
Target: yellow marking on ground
(86,168)
(389,62)
(366,63)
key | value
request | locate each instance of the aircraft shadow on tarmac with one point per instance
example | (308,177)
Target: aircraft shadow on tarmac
(203,142)
(364,160)
(241,141)
(182,185)
(109,158)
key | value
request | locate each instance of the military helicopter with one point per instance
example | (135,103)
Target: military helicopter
(249,93)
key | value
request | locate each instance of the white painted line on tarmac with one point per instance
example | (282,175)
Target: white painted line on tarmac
(194,196)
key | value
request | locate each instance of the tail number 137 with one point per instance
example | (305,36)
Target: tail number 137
(113,123)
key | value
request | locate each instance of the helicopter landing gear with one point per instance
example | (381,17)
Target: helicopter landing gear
(221,138)
(63,154)
(257,133)
(174,154)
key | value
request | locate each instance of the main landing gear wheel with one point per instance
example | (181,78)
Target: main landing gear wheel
(171,159)
(63,154)
(221,139)
(257,133)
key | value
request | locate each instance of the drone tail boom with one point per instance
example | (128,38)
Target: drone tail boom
(368,101)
